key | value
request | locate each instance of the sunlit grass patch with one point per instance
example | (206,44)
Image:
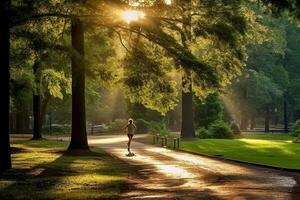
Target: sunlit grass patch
(42,170)
(273,152)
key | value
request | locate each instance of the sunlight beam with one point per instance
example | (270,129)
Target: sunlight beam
(132,15)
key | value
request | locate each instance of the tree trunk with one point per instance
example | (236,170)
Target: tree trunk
(11,122)
(37,125)
(244,119)
(78,135)
(267,120)
(187,123)
(285,116)
(5,158)
(252,125)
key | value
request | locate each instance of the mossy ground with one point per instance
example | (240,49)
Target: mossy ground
(44,170)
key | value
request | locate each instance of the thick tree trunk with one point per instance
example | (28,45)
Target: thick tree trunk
(11,122)
(267,120)
(37,125)
(78,135)
(187,123)
(5,158)
(285,116)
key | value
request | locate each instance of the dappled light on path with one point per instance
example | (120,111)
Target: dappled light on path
(166,174)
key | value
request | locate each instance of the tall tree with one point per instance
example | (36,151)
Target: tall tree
(5,158)
(187,119)
(78,135)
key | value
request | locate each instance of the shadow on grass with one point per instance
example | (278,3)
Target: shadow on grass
(73,175)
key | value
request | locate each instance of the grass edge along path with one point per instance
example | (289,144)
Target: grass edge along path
(44,170)
(270,150)
(279,152)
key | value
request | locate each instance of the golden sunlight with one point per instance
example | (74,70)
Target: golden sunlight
(132,15)
(168,2)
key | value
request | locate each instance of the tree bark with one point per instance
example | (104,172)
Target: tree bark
(252,123)
(244,119)
(5,158)
(187,123)
(37,125)
(78,135)
(285,116)
(267,120)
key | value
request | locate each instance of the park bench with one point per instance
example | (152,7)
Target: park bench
(163,140)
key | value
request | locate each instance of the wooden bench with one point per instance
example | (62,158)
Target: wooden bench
(163,140)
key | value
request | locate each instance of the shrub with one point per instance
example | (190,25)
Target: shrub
(295,131)
(117,125)
(220,129)
(235,128)
(202,133)
(158,128)
(142,125)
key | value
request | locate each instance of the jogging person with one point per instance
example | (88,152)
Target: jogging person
(130,127)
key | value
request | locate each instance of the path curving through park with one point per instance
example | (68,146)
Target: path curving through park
(160,173)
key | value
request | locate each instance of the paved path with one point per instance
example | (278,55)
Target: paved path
(167,174)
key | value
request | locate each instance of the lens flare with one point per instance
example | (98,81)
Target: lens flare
(132,15)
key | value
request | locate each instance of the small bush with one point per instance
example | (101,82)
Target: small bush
(142,125)
(235,128)
(202,133)
(220,129)
(117,125)
(295,131)
(158,128)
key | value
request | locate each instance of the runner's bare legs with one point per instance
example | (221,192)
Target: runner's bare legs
(130,136)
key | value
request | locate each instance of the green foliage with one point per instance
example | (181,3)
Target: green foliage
(208,110)
(139,111)
(295,132)
(22,83)
(155,127)
(147,81)
(117,125)
(262,91)
(143,126)
(203,133)
(220,129)
(56,83)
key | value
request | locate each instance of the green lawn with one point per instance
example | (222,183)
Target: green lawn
(42,170)
(267,149)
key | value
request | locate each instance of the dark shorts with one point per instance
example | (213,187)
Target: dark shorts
(130,135)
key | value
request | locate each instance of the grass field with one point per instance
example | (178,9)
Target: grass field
(43,170)
(268,149)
